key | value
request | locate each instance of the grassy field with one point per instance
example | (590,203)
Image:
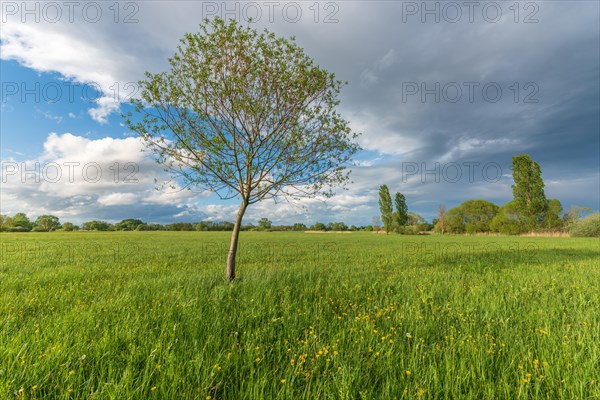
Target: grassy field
(128,315)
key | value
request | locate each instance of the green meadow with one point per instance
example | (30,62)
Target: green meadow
(149,315)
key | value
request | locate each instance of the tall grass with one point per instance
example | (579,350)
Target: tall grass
(149,315)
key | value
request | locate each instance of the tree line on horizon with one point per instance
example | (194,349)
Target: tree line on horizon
(20,222)
(529,211)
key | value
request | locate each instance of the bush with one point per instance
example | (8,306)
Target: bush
(409,230)
(18,229)
(69,227)
(587,227)
(505,225)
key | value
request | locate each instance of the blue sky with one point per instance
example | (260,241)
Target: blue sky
(432,98)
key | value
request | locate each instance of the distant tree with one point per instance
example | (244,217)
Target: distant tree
(415,219)
(528,191)
(507,220)
(96,225)
(247,115)
(376,223)
(472,216)
(401,214)
(337,226)
(441,223)
(586,227)
(426,227)
(69,227)
(248,227)
(21,222)
(319,226)
(573,215)
(6,222)
(299,227)
(225,226)
(47,223)
(180,226)
(416,223)
(202,226)
(150,227)
(456,220)
(478,214)
(385,207)
(553,216)
(129,224)
(264,224)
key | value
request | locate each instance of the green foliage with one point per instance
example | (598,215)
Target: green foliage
(21,222)
(507,220)
(469,317)
(573,215)
(245,113)
(385,207)
(415,219)
(337,226)
(248,115)
(401,214)
(150,227)
(69,227)
(456,223)
(528,191)
(416,224)
(441,222)
(553,217)
(129,224)
(202,226)
(472,216)
(299,227)
(211,226)
(46,223)
(264,224)
(587,227)
(318,226)
(409,230)
(96,225)
(180,226)
(5,222)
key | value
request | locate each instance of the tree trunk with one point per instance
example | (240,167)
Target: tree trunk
(234,241)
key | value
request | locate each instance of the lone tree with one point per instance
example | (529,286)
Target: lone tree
(528,190)
(245,115)
(385,206)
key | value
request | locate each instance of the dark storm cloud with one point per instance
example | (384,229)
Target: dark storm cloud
(553,64)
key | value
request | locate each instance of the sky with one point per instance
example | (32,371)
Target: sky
(443,94)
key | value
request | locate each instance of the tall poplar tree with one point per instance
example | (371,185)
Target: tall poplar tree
(401,213)
(385,206)
(528,191)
